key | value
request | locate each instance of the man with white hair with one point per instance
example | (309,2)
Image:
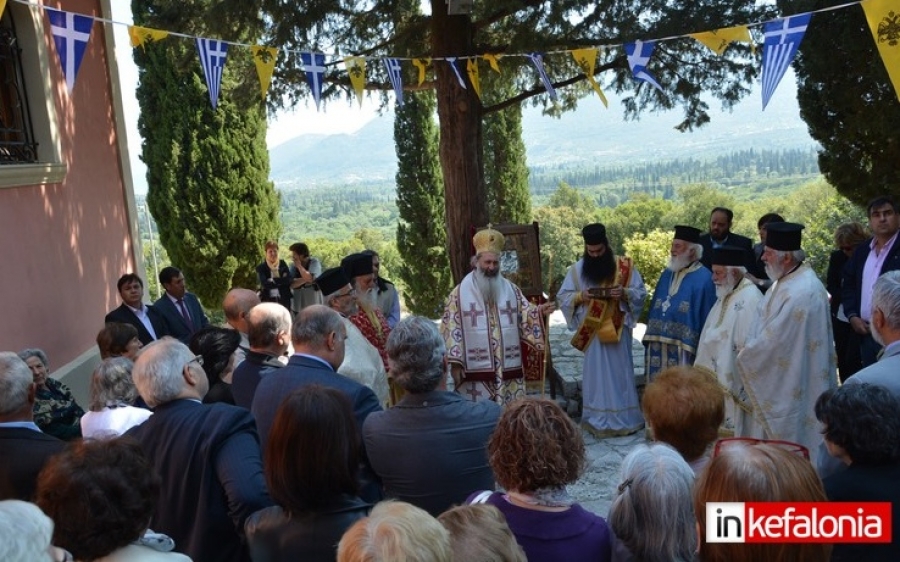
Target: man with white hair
(486,324)
(24,448)
(726,329)
(207,456)
(788,359)
(683,297)
(368,318)
(269,335)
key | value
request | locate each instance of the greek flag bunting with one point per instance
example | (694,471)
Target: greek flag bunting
(212,58)
(639,53)
(314,67)
(71,33)
(394,73)
(459,78)
(782,37)
(538,60)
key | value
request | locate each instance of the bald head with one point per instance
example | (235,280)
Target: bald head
(237,305)
(269,328)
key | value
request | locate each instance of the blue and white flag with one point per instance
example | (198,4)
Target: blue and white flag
(538,60)
(212,58)
(459,78)
(396,76)
(71,33)
(782,37)
(314,67)
(639,54)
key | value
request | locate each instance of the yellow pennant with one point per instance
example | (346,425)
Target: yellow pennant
(422,65)
(884,22)
(265,58)
(718,39)
(492,60)
(2,6)
(586,59)
(356,68)
(141,35)
(472,71)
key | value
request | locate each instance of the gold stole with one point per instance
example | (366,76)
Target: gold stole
(603,317)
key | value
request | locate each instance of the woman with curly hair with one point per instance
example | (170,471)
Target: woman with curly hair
(56,412)
(112,395)
(101,495)
(535,451)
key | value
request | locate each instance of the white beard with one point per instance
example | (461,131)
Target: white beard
(677,263)
(369,299)
(489,287)
(775,272)
(724,290)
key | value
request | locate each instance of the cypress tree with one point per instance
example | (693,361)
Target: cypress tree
(505,170)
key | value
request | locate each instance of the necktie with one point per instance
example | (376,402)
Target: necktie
(184,313)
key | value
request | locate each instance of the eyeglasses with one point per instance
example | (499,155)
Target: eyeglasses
(339,337)
(197,359)
(788,446)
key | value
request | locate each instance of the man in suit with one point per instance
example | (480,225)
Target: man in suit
(447,433)
(24,449)
(269,333)
(207,456)
(149,322)
(720,235)
(871,259)
(182,311)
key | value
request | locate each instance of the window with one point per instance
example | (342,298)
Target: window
(16,139)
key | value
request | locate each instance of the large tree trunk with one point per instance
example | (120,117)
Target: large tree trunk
(459,113)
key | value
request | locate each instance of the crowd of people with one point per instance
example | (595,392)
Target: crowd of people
(319,425)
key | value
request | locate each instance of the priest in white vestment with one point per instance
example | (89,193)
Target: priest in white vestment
(725,333)
(486,324)
(788,359)
(601,298)
(362,362)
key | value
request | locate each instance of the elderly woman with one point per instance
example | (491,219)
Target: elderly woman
(112,395)
(25,534)
(846,342)
(118,339)
(757,471)
(862,429)
(122,489)
(684,408)
(311,463)
(55,411)
(653,515)
(396,532)
(217,346)
(274,277)
(480,532)
(535,451)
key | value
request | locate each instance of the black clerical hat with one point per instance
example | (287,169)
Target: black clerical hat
(594,234)
(357,264)
(687,233)
(730,256)
(783,236)
(332,280)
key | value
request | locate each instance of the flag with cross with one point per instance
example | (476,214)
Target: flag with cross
(212,58)
(638,54)
(314,67)
(537,59)
(396,76)
(782,37)
(71,33)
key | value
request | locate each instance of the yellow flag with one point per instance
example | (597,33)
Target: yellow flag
(140,35)
(2,6)
(718,39)
(422,65)
(472,71)
(586,59)
(884,22)
(492,60)
(356,68)
(265,58)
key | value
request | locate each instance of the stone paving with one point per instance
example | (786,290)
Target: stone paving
(596,489)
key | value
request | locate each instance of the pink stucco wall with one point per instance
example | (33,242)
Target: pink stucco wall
(62,246)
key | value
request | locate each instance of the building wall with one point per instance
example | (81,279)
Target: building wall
(64,244)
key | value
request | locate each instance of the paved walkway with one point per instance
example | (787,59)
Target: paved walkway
(596,489)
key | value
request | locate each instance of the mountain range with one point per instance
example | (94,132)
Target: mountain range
(590,135)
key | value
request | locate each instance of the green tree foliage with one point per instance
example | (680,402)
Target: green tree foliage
(505,172)
(207,170)
(561,241)
(650,252)
(641,214)
(689,73)
(847,100)
(696,203)
(425,270)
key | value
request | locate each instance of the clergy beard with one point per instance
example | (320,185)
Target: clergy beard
(774,271)
(600,268)
(677,263)
(488,286)
(368,300)
(727,286)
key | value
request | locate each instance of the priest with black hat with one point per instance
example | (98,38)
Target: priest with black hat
(727,326)
(788,360)
(681,302)
(602,298)
(369,318)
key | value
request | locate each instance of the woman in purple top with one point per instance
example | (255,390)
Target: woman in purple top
(535,451)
